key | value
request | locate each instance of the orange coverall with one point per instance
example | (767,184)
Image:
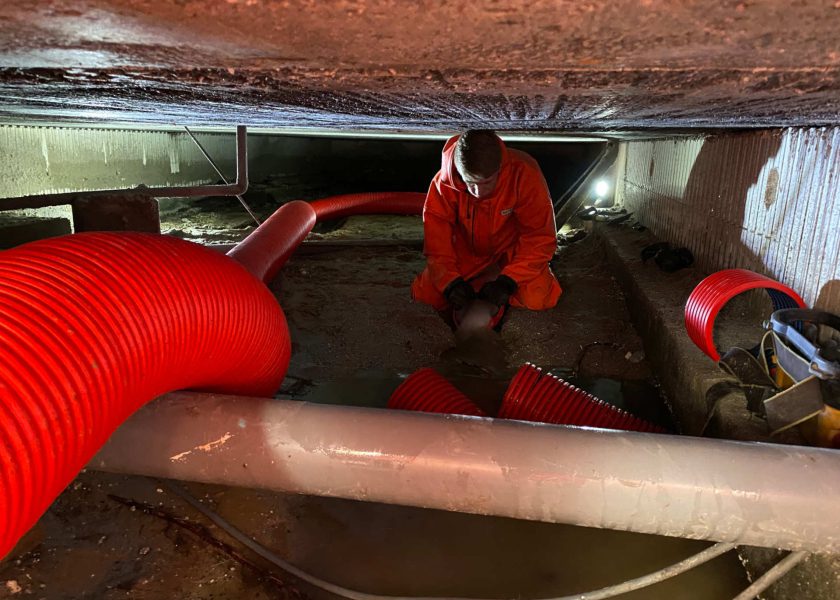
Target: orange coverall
(512,230)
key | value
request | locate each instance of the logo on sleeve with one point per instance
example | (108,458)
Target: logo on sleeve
(507,211)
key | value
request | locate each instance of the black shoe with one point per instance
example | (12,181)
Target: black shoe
(651,251)
(674,260)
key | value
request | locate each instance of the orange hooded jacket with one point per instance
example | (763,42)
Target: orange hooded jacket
(512,229)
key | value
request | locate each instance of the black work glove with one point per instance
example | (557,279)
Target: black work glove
(459,294)
(498,292)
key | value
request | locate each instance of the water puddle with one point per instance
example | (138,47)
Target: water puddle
(410,551)
(406,551)
(372,388)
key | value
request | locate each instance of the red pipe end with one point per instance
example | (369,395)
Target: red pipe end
(536,396)
(711,294)
(427,391)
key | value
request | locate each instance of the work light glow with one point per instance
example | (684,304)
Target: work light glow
(601,188)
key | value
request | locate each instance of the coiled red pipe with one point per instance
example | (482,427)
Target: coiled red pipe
(536,396)
(96,324)
(427,391)
(716,290)
(393,203)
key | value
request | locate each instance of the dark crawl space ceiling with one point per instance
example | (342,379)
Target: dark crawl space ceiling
(542,65)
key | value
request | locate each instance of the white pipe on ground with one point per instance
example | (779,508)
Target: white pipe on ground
(746,493)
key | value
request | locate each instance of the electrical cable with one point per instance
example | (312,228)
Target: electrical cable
(773,575)
(607,592)
(656,577)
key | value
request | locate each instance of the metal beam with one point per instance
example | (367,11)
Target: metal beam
(746,493)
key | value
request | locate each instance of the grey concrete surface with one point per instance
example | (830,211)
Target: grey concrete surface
(693,381)
(41,160)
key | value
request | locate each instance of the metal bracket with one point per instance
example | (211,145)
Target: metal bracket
(219,173)
(782,323)
(793,406)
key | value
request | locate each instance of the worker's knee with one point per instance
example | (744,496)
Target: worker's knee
(540,293)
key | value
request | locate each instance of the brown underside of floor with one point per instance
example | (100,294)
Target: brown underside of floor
(599,65)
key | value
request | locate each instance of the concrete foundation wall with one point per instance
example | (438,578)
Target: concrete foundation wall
(39,160)
(767,201)
(703,402)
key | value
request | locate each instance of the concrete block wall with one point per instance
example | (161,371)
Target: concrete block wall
(40,160)
(764,200)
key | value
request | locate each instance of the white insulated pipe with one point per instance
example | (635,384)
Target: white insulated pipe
(742,492)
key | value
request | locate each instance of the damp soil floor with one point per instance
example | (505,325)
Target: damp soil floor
(356,334)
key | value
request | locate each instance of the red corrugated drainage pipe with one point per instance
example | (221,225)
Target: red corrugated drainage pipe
(716,290)
(94,325)
(269,246)
(394,203)
(542,397)
(427,391)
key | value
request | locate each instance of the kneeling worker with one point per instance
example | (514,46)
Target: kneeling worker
(489,229)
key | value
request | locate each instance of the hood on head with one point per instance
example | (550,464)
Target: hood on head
(449,174)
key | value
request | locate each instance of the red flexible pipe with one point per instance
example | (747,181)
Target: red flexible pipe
(270,245)
(427,391)
(393,203)
(716,290)
(96,324)
(536,396)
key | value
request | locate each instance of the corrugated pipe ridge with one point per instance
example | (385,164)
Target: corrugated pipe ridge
(393,203)
(94,325)
(544,398)
(427,391)
(709,297)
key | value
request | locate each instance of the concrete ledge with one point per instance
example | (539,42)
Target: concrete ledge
(120,212)
(694,383)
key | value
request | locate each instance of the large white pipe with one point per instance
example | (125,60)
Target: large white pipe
(748,493)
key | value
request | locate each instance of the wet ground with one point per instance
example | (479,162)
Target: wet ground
(93,545)
(335,296)
(356,333)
